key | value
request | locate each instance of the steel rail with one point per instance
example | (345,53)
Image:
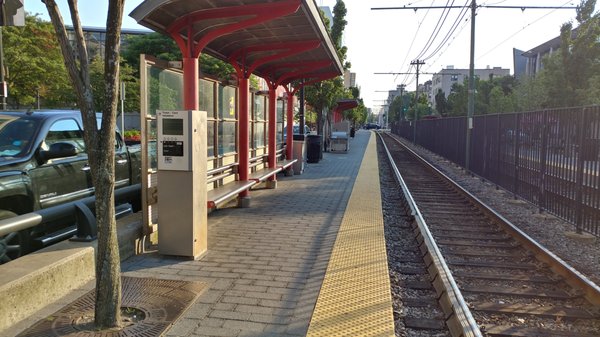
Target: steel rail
(459,319)
(572,276)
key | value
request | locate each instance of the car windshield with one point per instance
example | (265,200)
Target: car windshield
(16,135)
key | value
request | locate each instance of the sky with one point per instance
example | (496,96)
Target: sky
(386,41)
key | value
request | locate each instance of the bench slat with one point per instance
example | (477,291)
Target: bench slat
(284,164)
(263,174)
(222,193)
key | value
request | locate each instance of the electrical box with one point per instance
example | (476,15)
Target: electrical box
(175,135)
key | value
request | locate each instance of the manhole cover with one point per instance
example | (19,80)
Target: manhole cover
(161,301)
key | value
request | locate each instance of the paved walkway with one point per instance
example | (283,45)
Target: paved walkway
(265,264)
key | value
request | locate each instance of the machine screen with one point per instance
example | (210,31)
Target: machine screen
(172,126)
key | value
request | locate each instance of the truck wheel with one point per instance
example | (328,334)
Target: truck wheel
(14,244)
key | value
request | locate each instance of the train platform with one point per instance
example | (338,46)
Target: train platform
(306,259)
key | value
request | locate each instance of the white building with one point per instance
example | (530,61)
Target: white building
(447,77)
(349,79)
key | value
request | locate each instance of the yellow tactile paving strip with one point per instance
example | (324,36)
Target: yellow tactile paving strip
(355,297)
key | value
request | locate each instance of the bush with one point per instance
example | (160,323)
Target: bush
(132,135)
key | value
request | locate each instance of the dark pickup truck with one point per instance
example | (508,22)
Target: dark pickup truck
(43,163)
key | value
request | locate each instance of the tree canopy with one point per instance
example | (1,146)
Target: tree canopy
(35,66)
(324,95)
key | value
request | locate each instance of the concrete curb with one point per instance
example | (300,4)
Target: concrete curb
(31,284)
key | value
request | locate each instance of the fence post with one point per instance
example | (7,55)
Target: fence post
(498,149)
(580,168)
(486,153)
(543,160)
(516,135)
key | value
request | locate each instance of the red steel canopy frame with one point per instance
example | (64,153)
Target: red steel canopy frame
(281,41)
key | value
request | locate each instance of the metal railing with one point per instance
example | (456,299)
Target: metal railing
(80,210)
(550,158)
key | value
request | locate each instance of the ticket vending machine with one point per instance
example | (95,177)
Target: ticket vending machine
(181,156)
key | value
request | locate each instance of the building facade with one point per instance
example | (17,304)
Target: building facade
(446,78)
(95,38)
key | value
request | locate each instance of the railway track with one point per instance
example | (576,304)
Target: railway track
(416,310)
(491,278)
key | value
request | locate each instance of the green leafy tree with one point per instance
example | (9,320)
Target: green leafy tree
(492,96)
(569,77)
(35,66)
(356,115)
(441,104)
(325,94)
(127,76)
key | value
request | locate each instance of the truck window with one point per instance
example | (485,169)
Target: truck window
(66,131)
(16,135)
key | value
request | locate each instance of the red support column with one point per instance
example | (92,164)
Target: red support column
(190,83)
(243,124)
(272,127)
(289,120)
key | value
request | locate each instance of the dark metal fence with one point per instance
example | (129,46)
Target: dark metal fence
(550,158)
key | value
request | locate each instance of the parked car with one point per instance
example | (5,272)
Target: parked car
(44,163)
(295,131)
(370,126)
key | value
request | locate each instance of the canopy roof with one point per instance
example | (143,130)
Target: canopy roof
(280,41)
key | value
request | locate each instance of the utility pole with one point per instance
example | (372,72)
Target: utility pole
(418,63)
(471,98)
(471,95)
(402,86)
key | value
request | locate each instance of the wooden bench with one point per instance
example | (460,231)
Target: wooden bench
(222,193)
(284,163)
(264,174)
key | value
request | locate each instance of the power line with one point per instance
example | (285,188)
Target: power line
(416,8)
(471,93)
(517,32)
(435,31)
(455,25)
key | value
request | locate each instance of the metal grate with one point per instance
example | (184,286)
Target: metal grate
(162,301)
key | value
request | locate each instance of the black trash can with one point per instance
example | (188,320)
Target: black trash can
(313,148)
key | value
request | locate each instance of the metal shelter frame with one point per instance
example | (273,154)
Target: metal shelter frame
(285,42)
(343,105)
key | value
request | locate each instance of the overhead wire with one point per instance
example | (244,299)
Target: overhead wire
(520,30)
(451,31)
(436,30)
(413,41)
(440,54)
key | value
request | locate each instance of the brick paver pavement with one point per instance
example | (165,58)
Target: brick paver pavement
(266,263)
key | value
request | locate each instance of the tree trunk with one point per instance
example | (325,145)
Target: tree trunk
(100,148)
(108,262)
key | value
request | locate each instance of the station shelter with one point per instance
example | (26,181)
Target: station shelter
(240,132)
